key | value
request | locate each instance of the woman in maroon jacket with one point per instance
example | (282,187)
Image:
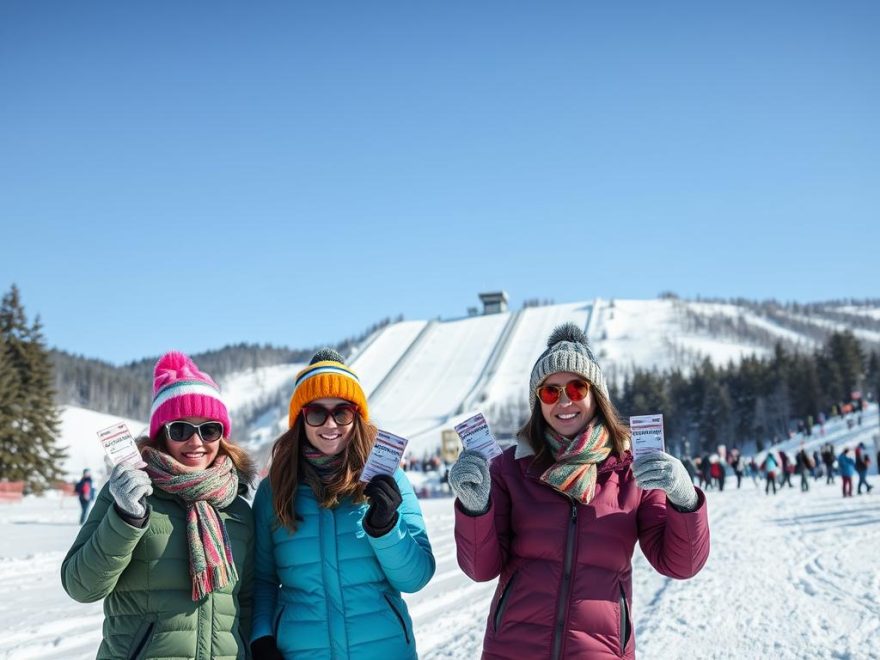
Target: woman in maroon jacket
(558,516)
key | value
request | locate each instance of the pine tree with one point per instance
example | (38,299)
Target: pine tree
(842,350)
(8,398)
(872,377)
(29,417)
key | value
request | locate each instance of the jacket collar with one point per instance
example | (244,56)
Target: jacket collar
(523,449)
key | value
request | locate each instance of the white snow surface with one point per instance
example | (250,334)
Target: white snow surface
(789,576)
(861,310)
(527,343)
(79,429)
(382,353)
(834,326)
(252,387)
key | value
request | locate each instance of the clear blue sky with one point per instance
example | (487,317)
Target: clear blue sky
(187,175)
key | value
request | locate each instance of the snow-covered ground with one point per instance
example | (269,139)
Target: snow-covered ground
(790,576)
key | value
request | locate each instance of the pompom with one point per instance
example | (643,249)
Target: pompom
(567,332)
(174,366)
(327,355)
(172,361)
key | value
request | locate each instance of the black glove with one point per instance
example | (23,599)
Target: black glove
(264,648)
(384,498)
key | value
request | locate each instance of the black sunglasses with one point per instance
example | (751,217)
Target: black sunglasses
(181,431)
(343,414)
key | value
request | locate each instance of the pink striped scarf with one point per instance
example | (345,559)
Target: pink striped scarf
(574,472)
(203,492)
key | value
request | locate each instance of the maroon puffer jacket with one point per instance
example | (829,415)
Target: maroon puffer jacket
(566,574)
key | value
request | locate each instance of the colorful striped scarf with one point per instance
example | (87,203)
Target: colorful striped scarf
(325,467)
(203,492)
(574,472)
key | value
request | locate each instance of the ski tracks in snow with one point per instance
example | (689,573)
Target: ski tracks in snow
(789,576)
(40,621)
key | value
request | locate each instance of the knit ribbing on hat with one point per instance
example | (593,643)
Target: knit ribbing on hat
(567,350)
(326,379)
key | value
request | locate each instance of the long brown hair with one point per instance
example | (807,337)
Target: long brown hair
(536,426)
(243,463)
(289,468)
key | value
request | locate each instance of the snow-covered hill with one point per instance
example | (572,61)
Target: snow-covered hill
(79,439)
(423,376)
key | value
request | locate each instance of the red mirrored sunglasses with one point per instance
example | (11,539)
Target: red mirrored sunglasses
(575,390)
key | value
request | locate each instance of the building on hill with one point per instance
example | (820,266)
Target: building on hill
(494,302)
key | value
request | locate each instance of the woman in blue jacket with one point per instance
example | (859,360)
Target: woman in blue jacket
(333,554)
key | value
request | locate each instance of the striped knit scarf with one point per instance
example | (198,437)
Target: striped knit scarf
(325,467)
(574,472)
(203,492)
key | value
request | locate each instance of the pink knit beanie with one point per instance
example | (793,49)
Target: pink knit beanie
(181,390)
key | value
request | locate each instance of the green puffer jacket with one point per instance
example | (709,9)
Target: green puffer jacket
(143,577)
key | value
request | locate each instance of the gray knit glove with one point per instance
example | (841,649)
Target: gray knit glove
(129,486)
(469,480)
(660,470)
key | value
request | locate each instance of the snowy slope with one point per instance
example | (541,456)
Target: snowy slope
(429,386)
(376,360)
(790,576)
(527,343)
(837,433)
(78,436)
(253,387)
(422,377)
(656,334)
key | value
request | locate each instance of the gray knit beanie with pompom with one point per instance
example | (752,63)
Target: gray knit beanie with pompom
(567,350)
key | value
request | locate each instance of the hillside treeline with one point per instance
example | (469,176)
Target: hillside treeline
(126,390)
(756,401)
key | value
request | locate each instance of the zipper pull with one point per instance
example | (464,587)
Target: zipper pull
(574,512)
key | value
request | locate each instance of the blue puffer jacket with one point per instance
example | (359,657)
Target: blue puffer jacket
(330,590)
(846,465)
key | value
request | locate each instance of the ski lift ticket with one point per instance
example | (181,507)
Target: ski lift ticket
(647,434)
(119,445)
(475,434)
(385,457)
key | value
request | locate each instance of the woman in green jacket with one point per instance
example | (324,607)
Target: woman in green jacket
(169,543)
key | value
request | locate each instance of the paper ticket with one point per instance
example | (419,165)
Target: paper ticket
(647,434)
(385,457)
(119,445)
(475,434)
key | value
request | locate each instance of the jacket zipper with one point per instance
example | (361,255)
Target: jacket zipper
(566,584)
(502,602)
(623,620)
(399,617)
(142,643)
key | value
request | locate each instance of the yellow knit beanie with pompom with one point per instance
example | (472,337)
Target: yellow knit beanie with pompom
(326,377)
